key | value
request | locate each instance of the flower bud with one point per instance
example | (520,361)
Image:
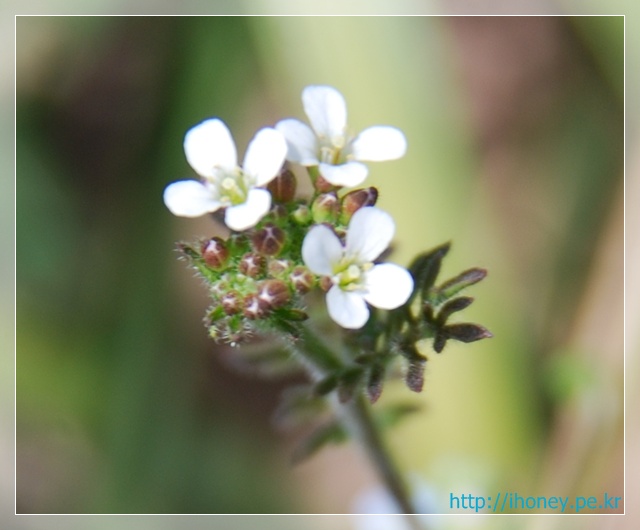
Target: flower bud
(325,208)
(278,267)
(231,302)
(254,307)
(215,253)
(274,293)
(302,279)
(252,264)
(356,199)
(283,187)
(302,214)
(323,185)
(269,240)
(326,283)
(278,211)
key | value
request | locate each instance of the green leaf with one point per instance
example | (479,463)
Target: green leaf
(332,432)
(425,269)
(453,306)
(453,286)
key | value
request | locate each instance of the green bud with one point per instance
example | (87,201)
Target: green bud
(283,187)
(326,208)
(269,240)
(252,264)
(215,253)
(302,214)
(356,199)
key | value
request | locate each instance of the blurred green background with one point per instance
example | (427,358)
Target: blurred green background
(515,131)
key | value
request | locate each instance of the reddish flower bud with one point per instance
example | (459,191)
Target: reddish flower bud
(274,293)
(252,264)
(302,279)
(254,308)
(231,302)
(279,267)
(283,187)
(269,240)
(356,199)
(326,283)
(323,185)
(215,253)
(326,208)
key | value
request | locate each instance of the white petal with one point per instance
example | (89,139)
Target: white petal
(379,143)
(326,109)
(350,174)
(321,249)
(370,232)
(348,309)
(210,145)
(301,141)
(248,213)
(189,198)
(388,286)
(265,155)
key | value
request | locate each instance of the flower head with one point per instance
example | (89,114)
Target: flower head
(211,152)
(355,279)
(327,143)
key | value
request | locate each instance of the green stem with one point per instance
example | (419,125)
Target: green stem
(357,416)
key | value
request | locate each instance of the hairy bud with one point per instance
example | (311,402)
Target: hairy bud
(254,308)
(302,279)
(274,293)
(215,253)
(269,240)
(252,264)
(231,302)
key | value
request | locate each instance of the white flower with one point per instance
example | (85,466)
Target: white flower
(328,145)
(211,152)
(356,280)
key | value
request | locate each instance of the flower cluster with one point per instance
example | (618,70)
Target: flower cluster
(282,246)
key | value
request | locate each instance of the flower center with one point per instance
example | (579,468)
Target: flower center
(233,188)
(332,149)
(350,276)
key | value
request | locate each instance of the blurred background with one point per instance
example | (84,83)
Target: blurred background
(516,154)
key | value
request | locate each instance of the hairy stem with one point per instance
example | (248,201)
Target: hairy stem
(358,419)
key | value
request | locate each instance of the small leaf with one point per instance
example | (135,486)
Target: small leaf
(374,383)
(330,433)
(392,414)
(453,286)
(299,406)
(326,385)
(467,332)
(439,342)
(415,374)
(425,268)
(453,306)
